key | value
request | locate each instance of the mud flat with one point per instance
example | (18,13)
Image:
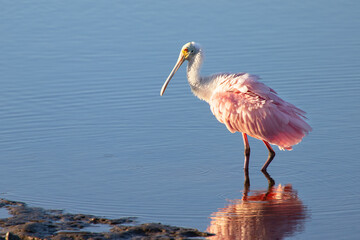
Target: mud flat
(24,222)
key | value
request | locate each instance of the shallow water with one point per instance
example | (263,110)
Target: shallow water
(83,127)
(272,214)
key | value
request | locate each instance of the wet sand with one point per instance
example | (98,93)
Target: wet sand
(34,223)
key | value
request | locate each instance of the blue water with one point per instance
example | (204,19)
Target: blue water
(83,127)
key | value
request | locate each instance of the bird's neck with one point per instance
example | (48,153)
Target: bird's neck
(201,86)
(193,69)
(193,74)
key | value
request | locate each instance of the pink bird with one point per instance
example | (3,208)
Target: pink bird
(244,105)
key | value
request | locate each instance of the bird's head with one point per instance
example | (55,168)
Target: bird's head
(188,51)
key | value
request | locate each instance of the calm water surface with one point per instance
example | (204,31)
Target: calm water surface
(83,127)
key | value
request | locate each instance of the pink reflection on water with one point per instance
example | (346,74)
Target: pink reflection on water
(269,214)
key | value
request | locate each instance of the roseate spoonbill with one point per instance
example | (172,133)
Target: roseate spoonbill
(244,105)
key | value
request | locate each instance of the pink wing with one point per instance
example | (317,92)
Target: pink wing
(246,105)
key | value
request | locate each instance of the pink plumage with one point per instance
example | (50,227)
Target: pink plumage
(244,105)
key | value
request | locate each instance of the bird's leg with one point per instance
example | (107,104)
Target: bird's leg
(270,157)
(246,180)
(246,152)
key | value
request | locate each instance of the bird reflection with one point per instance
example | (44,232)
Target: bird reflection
(274,213)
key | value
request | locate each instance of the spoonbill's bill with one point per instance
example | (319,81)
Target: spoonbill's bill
(244,105)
